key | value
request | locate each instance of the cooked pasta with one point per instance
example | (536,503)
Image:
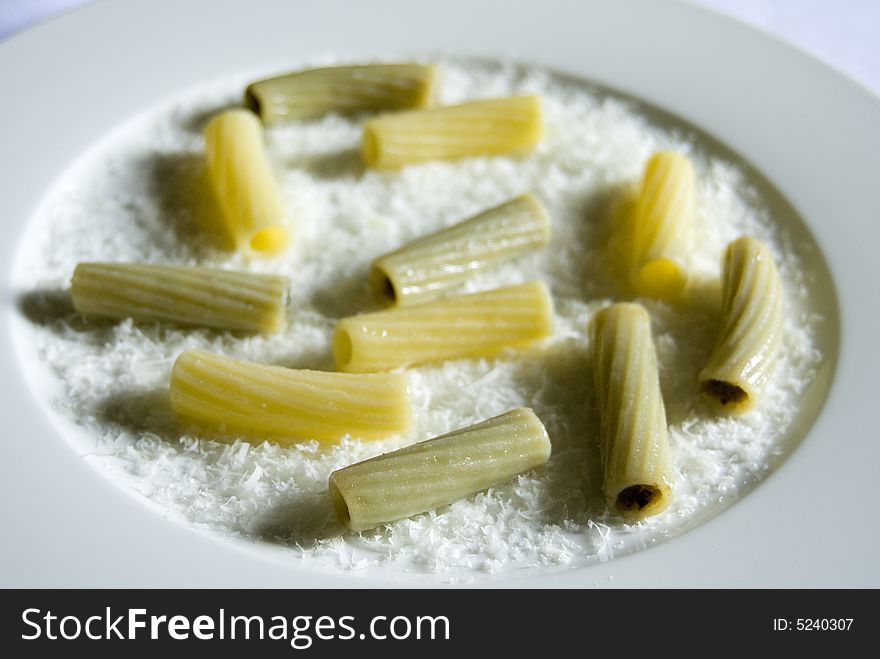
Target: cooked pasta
(184,295)
(747,346)
(287,405)
(633,443)
(439,471)
(462,326)
(487,127)
(662,226)
(342,89)
(244,184)
(426,268)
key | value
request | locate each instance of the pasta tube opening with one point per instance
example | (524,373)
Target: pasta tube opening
(383,286)
(269,240)
(726,393)
(342,348)
(639,500)
(339,504)
(252,101)
(659,278)
(370,146)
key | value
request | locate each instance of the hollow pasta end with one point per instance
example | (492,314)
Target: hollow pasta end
(252,101)
(269,240)
(342,348)
(339,503)
(383,286)
(660,278)
(638,500)
(370,147)
(726,394)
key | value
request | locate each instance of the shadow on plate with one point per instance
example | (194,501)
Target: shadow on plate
(344,164)
(555,384)
(301,521)
(318,359)
(46,306)
(345,295)
(141,412)
(196,121)
(179,184)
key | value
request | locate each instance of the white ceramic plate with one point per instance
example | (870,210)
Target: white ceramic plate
(813,133)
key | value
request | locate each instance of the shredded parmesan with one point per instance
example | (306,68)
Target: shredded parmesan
(140,195)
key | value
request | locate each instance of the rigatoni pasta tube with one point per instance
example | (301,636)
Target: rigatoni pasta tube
(662,226)
(486,127)
(343,89)
(425,268)
(633,443)
(747,346)
(205,297)
(438,471)
(287,405)
(462,326)
(243,182)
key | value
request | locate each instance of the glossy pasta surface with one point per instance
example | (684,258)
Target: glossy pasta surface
(287,405)
(438,471)
(206,297)
(479,324)
(426,268)
(313,93)
(244,184)
(633,441)
(662,227)
(748,343)
(486,127)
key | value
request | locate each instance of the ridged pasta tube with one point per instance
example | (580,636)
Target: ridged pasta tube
(205,297)
(662,227)
(343,89)
(633,443)
(244,184)
(751,331)
(425,268)
(439,471)
(487,127)
(287,405)
(462,326)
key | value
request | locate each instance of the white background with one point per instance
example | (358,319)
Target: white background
(844,33)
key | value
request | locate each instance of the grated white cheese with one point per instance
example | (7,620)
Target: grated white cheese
(140,195)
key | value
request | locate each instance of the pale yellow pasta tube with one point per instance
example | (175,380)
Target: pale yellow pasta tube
(425,268)
(287,405)
(488,127)
(205,297)
(662,226)
(343,89)
(747,346)
(633,444)
(436,472)
(244,184)
(462,326)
